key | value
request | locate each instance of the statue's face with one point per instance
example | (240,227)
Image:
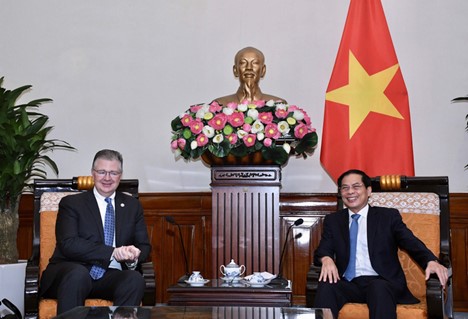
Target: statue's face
(249,66)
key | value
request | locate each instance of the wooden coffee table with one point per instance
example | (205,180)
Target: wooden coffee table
(221,293)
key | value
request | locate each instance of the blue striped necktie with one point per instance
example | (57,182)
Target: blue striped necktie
(97,272)
(350,272)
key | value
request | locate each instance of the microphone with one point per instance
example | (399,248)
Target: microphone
(185,277)
(279,280)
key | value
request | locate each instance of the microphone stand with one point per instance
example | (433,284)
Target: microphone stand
(279,280)
(185,277)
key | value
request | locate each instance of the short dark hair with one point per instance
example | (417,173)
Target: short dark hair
(109,155)
(365,178)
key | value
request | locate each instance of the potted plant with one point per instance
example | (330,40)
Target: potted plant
(272,130)
(23,156)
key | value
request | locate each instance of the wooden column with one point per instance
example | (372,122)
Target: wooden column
(245,217)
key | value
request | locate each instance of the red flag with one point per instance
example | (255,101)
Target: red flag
(367,120)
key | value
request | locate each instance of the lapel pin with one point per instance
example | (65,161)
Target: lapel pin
(122,205)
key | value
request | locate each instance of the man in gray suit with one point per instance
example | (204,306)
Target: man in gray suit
(374,275)
(101,236)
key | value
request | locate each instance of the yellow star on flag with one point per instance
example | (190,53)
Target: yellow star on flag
(365,93)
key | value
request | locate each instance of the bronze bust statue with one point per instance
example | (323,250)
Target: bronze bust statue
(249,67)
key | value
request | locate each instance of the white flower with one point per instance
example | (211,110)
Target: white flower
(257,126)
(287,147)
(298,115)
(242,107)
(270,103)
(241,133)
(228,111)
(260,136)
(283,127)
(177,153)
(200,113)
(253,113)
(208,131)
(281,106)
(218,138)
(193,144)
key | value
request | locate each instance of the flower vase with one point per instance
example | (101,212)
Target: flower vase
(250,159)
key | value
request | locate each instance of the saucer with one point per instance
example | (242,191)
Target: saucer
(229,279)
(197,283)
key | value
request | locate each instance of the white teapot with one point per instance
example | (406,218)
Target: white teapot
(232,269)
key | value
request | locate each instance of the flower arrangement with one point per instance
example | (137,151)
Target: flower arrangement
(276,129)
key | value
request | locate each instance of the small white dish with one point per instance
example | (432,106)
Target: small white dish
(257,284)
(198,283)
(230,279)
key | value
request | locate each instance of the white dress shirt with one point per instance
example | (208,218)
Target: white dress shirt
(363,264)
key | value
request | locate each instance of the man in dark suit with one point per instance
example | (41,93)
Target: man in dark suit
(101,237)
(375,275)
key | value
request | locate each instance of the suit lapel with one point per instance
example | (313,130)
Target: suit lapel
(119,209)
(372,221)
(94,212)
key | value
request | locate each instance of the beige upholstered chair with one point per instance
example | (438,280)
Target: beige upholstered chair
(423,204)
(47,195)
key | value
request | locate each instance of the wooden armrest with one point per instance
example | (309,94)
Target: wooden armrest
(439,300)
(31,289)
(312,283)
(147,270)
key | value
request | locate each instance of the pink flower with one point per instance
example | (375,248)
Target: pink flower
(271,130)
(174,145)
(202,140)
(186,120)
(265,117)
(236,119)
(232,138)
(196,126)
(181,143)
(247,127)
(267,142)
(259,103)
(300,130)
(232,105)
(249,140)
(218,121)
(214,107)
(195,108)
(281,113)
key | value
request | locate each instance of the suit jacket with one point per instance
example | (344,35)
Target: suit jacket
(80,233)
(386,232)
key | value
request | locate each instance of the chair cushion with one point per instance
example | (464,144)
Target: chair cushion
(360,311)
(48,307)
(48,216)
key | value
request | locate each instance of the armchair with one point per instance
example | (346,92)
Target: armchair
(47,195)
(424,205)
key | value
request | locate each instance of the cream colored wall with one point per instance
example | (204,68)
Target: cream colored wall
(120,71)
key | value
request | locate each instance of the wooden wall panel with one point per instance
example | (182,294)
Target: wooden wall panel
(193,212)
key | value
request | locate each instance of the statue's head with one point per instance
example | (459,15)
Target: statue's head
(249,65)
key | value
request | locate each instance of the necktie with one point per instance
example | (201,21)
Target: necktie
(350,272)
(97,272)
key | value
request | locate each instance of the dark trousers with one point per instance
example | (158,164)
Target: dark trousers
(71,285)
(376,292)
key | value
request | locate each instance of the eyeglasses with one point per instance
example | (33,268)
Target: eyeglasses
(346,188)
(103,173)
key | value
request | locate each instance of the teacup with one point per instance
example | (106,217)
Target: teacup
(195,277)
(232,270)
